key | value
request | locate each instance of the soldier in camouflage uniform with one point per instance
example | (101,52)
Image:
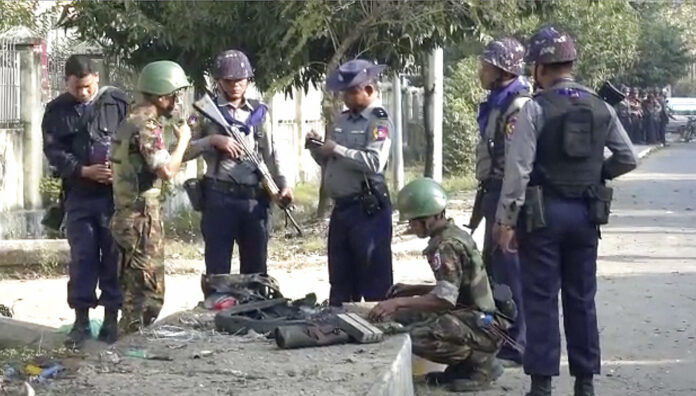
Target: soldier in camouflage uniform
(140,163)
(446,320)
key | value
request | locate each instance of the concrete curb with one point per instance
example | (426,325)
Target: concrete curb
(398,380)
(15,333)
(27,252)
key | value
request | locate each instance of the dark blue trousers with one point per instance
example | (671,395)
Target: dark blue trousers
(504,269)
(360,260)
(228,219)
(93,253)
(561,256)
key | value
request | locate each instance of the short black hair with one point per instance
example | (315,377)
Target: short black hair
(559,67)
(79,66)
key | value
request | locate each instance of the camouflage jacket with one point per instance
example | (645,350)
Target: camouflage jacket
(138,150)
(460,275)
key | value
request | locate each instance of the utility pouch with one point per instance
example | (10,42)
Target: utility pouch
(599,203)
(534,213)
(194,190)
(577,133)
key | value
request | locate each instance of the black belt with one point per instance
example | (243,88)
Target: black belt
(234,189)
(344,202)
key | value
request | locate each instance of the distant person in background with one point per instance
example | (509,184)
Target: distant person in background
(77,129)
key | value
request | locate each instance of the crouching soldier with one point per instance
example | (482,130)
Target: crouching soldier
(455,321)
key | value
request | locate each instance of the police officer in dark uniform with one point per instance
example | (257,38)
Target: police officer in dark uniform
(77,129)
(235,207)
(502,65)
(354,156)
(554,175)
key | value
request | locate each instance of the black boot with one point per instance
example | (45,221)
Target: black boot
(484,369)
(583,386)
(541,386)
(80,330)
(109,330)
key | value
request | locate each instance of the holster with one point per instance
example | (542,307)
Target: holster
(55,214)
(374,197)
(477,211)
(599,203)
(534,211)
(194,190)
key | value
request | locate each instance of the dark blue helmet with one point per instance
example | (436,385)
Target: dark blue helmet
(550,45)
(352,73)
(233,65)
(505,53)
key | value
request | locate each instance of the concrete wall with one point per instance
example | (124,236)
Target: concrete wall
(11,170)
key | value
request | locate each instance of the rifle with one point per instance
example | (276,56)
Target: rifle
(210,110)
(477,211)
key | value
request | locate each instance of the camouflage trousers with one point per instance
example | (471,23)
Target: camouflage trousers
(139,235)
(449,338)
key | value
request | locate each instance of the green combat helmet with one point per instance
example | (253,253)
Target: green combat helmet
(162,78)
(421,198)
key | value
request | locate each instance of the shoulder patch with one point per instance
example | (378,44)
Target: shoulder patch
(380,113)
(435,261)
(380,131)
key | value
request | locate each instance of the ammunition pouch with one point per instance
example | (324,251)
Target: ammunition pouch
(533,209)
(599,203)
(194,191)
(504,303)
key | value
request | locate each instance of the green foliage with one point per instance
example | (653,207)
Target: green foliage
(663,56)
(16,13)
(50,190)
(289,43)
(463,92)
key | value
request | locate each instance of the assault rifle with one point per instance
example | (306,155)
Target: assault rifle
(210,110)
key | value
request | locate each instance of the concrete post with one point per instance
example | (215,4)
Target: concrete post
(31,114)
(436,69)
(397,139)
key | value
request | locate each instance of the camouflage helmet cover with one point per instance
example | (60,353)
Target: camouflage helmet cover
(505,53)
(550,45)
(233,65)
(421,198)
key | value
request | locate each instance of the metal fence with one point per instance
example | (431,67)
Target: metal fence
(9,83)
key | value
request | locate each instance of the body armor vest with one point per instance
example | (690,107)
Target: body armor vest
(570,148)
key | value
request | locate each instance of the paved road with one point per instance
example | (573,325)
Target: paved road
(647,285)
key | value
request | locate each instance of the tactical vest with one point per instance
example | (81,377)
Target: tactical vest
(478,293)
(570,148)
(133,183)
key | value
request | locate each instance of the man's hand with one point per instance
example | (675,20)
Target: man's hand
(183,132)
(327,148)
(384,309)
(505,236)
(397,290)
(99,173)
(227,145)
(285,197)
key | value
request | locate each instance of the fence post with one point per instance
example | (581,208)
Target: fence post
(31,113)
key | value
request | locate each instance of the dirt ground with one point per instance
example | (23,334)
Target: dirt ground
(646,300)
